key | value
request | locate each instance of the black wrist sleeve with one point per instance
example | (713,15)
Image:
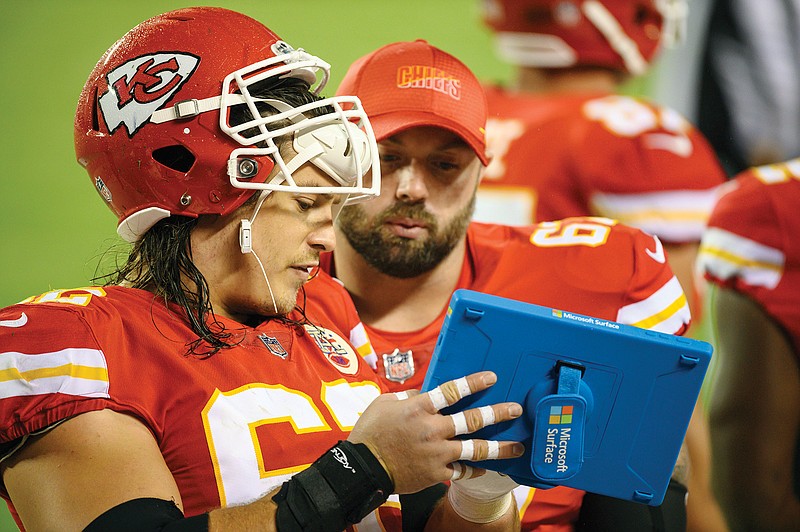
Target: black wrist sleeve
(339,489)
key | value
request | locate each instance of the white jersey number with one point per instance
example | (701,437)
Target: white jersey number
(590,232)
(243,472)
(660,128)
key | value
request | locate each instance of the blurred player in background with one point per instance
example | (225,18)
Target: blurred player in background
(564,142)
(403,254)
(193,392)
(750,250)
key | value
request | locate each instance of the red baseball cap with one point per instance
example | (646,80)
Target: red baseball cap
(408,84)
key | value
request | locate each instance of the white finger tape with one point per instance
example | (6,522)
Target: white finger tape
(467,450)
(437,398)
(461,471)
(457,468)
(463,387)
(460,423)
(401,395)
(487,414)
(494,450)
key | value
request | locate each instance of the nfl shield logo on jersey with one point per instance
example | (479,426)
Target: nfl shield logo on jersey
(399,365)
(273,345)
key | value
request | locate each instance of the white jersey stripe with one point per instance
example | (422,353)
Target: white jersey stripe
(69,371)
(360,339)
(673,216)
(666,310)
(726,255)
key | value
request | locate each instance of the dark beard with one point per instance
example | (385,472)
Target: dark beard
(397,256)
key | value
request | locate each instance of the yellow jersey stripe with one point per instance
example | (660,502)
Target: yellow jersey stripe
(741,261)
(67,370)
(71,371)
(660,317)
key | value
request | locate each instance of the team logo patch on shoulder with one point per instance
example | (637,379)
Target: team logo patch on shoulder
(399,365)
(141,86)
(338,352)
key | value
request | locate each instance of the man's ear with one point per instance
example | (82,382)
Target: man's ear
(482,168)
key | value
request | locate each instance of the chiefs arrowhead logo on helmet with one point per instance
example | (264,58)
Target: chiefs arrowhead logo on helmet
(138,88)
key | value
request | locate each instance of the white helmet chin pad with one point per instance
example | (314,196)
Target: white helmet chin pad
(340,150)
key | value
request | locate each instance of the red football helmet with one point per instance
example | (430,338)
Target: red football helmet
(152,125)
(623,35)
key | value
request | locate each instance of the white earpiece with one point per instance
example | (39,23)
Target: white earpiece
(245,237)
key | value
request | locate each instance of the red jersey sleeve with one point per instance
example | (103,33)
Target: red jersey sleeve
(592,266)
(52,373)
(751,243)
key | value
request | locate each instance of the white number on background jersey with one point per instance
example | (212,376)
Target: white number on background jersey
(660,128)
(500,133)
(778,173)
(74,296)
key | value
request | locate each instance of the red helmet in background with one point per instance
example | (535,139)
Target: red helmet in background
(152,125)
(623,35)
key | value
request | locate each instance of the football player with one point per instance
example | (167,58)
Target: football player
(402,254)
(750,252)
(565,142)
(191,392)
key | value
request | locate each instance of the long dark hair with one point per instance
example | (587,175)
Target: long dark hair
(161,261)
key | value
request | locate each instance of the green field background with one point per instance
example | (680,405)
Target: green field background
(53,226)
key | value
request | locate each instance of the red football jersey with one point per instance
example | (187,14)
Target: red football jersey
(591,266)
(231,427)
(751,243)
(556,156)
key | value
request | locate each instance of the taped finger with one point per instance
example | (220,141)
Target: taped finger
(467,450)
(401,395)
(460,425)
(478,450)
(461,471)
(493,450)
(449,393)
(437,398)
(477,418)
(487,415)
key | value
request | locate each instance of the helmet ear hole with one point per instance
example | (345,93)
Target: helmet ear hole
(95,119)
(641,16)
(177,158)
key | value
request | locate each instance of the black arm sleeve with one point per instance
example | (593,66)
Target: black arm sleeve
(600,513)
(147,515)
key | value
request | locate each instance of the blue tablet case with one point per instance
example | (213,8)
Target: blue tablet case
(606,405)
